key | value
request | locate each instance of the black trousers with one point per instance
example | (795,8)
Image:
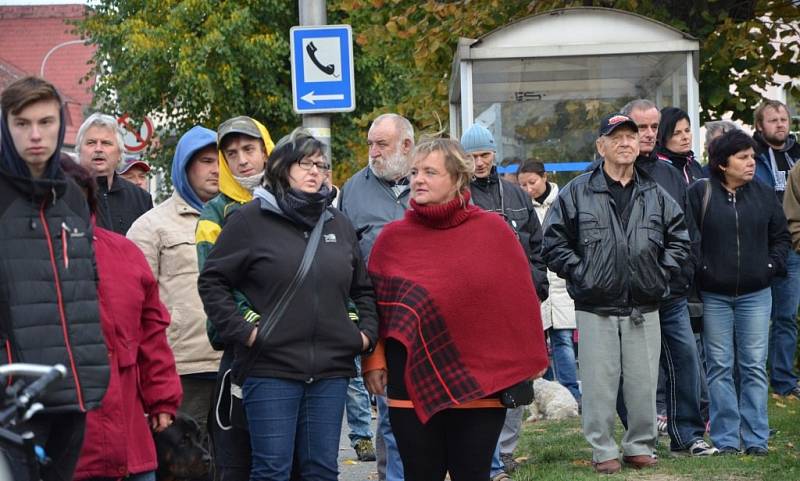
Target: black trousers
(61,435)
(459,441)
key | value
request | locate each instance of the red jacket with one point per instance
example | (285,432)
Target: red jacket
(144,379)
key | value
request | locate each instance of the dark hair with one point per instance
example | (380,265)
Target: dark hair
(670,116)
(25,92)
(83,178)
(531,166)
(724,146)
(288,151)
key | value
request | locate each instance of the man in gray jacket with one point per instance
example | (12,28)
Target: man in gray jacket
(373,197)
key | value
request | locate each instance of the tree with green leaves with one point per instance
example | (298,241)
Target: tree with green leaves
(198,61)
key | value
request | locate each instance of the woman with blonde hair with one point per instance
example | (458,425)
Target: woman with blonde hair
(459,321)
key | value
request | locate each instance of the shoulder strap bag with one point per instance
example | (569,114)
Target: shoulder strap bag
(235,415)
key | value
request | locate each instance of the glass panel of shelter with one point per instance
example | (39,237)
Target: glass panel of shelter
(549,108)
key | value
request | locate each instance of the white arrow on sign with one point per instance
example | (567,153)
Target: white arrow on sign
(310,97)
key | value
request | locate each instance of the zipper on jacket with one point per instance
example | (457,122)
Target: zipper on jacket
(61,313)
(738,251)
(10,360)
(315,317)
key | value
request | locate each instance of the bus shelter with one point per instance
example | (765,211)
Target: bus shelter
(542,84)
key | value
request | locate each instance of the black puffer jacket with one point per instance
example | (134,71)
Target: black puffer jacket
(745,239)
(497,195)
(48,288)
(610,269)
(258,253)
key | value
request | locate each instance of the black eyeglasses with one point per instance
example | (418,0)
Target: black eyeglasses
(306,164)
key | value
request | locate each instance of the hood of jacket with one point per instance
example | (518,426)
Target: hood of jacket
(791,141)
(196,139)
(227,183)
(12,162)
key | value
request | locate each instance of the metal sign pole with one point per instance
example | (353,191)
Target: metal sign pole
(313,12)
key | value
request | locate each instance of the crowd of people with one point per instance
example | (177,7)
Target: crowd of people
(265,303)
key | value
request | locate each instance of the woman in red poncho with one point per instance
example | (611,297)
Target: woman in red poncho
(144,391)
(459,321)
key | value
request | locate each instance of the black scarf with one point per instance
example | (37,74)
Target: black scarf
(305,208)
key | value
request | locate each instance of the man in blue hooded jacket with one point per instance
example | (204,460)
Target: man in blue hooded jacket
(166,235)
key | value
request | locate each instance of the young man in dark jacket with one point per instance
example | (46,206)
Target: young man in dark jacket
(617,239)
(99,146)
(685,423)
(48,291)
(776,155)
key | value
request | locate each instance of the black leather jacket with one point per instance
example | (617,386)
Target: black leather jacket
(611,269)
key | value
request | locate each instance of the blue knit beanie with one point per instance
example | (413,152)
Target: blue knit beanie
(478,139)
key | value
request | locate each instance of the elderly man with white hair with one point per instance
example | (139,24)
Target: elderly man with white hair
(100,148)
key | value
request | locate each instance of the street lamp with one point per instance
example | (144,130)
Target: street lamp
(49,53)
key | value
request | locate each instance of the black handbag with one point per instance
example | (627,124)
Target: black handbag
(232,381)
(520,394)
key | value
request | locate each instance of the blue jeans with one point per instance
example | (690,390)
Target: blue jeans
(783,332)
(388,458)
(564,360)
(357,406)
(497,463)
(291,419)
(682,367)
(736,330)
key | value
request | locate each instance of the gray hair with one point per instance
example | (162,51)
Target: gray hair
(105,121)
(638,104)
(718,127)
(401,123)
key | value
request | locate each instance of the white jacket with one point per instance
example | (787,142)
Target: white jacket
(558,311)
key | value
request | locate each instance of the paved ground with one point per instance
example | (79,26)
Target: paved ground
(350,468)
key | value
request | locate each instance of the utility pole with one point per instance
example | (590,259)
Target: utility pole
(313,12)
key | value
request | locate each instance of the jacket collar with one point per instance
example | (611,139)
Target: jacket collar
(641,181)
(182,207)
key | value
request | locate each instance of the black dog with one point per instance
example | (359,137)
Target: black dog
(181,453)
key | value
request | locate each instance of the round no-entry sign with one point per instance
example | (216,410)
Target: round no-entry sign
(136,139)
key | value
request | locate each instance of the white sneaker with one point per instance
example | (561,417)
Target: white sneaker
(701,448)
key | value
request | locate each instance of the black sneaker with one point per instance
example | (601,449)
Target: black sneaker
(794,393)
(756,451)
(509,463)
(364,450)
(727,451)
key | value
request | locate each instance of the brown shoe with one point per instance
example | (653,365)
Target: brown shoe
(610,466)
(640,461)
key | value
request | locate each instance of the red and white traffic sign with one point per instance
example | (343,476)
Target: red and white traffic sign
(136,139)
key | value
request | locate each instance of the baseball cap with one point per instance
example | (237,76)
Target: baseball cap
(132,161)
(612,121)
(238,125)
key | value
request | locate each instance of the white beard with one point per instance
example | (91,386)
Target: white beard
(393,167)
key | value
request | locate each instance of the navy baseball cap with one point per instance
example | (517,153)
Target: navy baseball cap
(612,121)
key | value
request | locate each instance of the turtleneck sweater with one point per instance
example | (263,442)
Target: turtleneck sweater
(453,286)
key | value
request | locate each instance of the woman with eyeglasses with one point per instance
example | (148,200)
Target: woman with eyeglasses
(294,377)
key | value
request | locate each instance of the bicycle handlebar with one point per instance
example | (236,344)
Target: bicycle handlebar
(27,369)
(38,386)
